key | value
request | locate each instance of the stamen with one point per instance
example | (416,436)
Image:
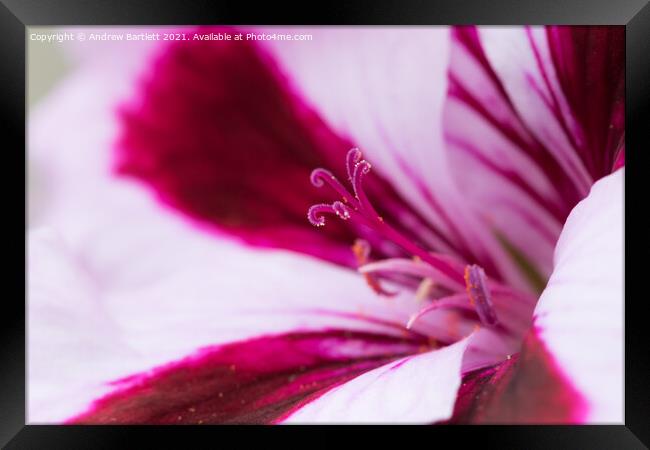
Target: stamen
(415,268)
(424,289)
(341,210)
(366,214)
(362,168)
(361,250)
(351,159)
(479,294)
(458,301)
(315,214)
(319,177)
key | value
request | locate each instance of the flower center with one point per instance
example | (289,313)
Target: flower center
(436,270)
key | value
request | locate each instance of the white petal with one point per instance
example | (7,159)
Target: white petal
(415,389)
(580,314)
(168,286)
(83,334)
(73,343)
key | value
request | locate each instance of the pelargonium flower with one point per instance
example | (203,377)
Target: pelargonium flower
(422,180)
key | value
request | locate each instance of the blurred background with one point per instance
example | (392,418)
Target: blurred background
(46,65)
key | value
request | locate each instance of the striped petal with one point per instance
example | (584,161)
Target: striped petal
(537,140)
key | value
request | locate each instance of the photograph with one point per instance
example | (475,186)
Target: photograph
(332,224)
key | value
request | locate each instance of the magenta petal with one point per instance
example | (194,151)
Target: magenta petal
(220,135)
(590,66)
(255,381)
(620,159)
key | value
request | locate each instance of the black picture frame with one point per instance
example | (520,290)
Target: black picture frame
(17,15)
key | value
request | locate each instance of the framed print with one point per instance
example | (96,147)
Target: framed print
(342,216)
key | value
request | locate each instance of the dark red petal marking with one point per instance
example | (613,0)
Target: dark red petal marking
(514,129)
(590,65)
(255,381)
(620,159)
(219,134)
(528,388)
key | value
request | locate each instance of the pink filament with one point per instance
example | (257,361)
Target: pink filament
(315,214)
(410,267)
(366,213)
(458,301)
(319,177)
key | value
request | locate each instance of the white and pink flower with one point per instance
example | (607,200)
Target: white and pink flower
(208,244)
